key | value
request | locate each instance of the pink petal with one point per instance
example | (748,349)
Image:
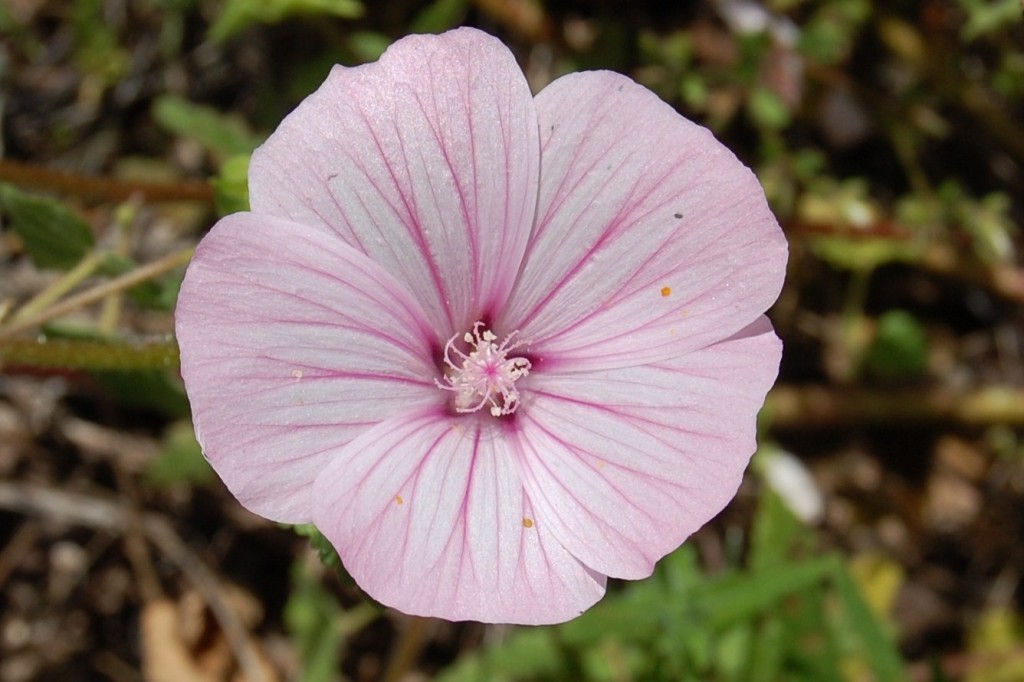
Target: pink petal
(429,516)
(652,239)
(426,161)
(291,344)
(623,465)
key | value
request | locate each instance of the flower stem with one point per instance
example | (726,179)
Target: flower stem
(59,288)
(407,650)
(89,354)
(98,293)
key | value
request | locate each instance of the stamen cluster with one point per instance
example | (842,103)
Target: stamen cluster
(485,375)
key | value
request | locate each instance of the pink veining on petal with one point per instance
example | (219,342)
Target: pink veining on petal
(427,161)
(626,464)
(343,345)
(636,201)
(428,515)
(292,344)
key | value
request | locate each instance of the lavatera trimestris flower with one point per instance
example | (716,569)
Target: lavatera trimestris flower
(496,347)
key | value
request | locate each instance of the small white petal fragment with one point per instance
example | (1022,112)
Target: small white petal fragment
(793,483)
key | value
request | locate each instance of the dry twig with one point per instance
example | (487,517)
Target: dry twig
(94,512)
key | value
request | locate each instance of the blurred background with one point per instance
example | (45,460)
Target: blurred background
(879,534)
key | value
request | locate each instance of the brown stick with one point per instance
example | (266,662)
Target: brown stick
(97,293)
(802,407)
(102,188)
(95,512)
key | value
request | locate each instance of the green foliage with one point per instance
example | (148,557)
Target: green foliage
(149,390)
(850,219)
(53,235)
(328,555)
(899,348)
(310,617)
(1008,80)
(319,626)
(789,615)
(224,135)
(439,16)
(368,46)
(988,16)
(180,459)
(951,210)
(154,294)
(987,221)
(767,110)
(98,52)
(240,14)
(828,36)
(231,185)
(7,22)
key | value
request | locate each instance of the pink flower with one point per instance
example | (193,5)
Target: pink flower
(496,347)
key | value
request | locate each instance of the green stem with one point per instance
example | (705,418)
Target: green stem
(407,649)
(98,293)
(856,295)
(60,288)
(88,354)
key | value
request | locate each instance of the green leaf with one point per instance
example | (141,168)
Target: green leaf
(368,46)
(878,648)
(739,598)
(319,626)
(97,51)
(147,390)
(988,16)
(231,186)
(775,531)
(309,615)
(180,459)
(439,16)
(317,540)
(154,294)
(767,109)
(527,654)
(900,346)
(223,134)
(240,14)
(54,236)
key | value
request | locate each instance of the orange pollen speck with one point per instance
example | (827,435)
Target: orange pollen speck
(666,292)
(528,523)
(398,499)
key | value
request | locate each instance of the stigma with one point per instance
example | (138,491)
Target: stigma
(484,377)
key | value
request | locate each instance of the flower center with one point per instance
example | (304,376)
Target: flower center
(484,376)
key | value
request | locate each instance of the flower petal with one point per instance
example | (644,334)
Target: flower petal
(652,239)
(291,344)
(623,465)
(428,515)
(426,161)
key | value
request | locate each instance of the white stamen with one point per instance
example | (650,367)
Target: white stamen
(486,375)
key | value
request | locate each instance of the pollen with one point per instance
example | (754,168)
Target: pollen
(666,292)
(527,523)
(398,499)
(484,377)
